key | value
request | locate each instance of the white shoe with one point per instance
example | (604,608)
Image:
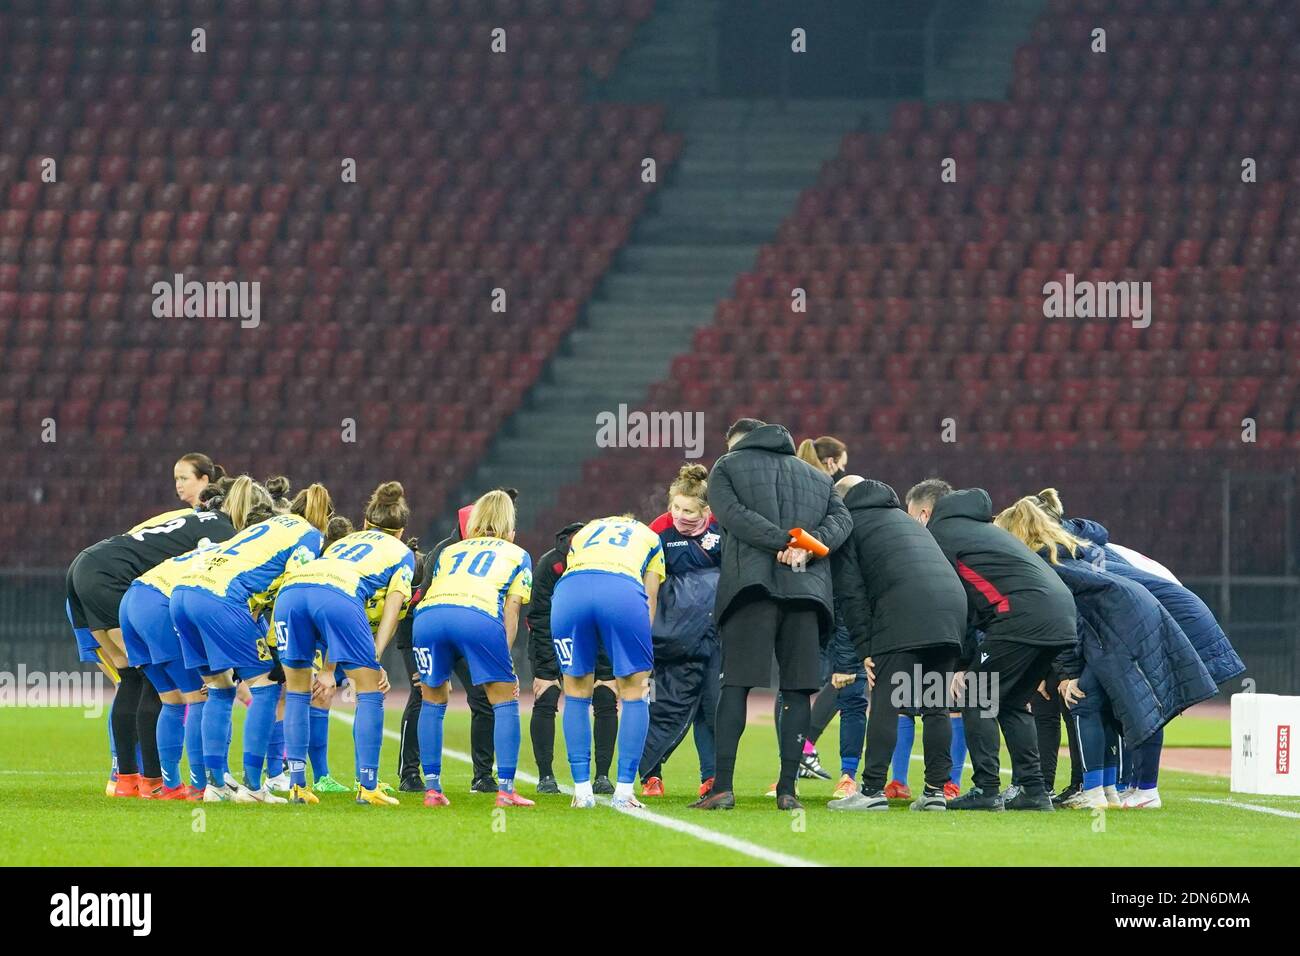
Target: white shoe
(222,794)
(1113,797)
(1143,800)
(231,782)
(1094,799)
(626,803)
(244,795)
(584,802)
(1078,802)
(278,784)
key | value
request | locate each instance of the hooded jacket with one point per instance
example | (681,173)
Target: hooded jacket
(758,491)
(1143,660)
(1011,593)
(893,582)
(1191,613)
(683,627)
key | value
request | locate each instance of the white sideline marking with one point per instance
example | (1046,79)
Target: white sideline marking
(1258,808)
(670,823)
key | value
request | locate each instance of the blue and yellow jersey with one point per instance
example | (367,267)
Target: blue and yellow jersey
(160,519)
(365,565)
(616,546)
(164,577)
(480,573)
(251,566)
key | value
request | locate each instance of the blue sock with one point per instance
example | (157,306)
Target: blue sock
(257,732)
(368,737)
(853,729)
(216,733)
(633,723)
(171,743)
(194,744)
(903,749)
(275,751)
(297,734)
(429,731)
(505,738)
(577,737)
(958,748)
(318,742)
(1146,769)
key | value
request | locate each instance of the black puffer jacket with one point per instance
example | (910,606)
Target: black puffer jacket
(897,589)
(758,491)
(1011,593)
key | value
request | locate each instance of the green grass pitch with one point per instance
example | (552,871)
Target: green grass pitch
(53,811)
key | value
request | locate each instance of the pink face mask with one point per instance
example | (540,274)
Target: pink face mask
(691,528)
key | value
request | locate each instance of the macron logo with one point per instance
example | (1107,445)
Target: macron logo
(75,909)
(983,657)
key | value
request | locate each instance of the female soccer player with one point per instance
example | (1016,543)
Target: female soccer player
(362,582)
(97,581)
(214,610)
(606,597)
(151,644)
(688,656)
(1133,664)
(471,608)
(324,682)
(192,473)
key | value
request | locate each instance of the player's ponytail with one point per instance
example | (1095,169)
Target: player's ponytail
(692,481)
(1050,501)
(493,516)
(339,527)
(203,466)
(314,504)
(387,509)
(817,451)
(278,488)
(1027,520)
(247,503)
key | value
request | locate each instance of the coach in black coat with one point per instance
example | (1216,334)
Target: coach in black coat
(758,491)
(1027,616)
(905,610)
(768,601)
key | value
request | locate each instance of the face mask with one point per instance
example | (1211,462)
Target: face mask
(691,528)
(837,474)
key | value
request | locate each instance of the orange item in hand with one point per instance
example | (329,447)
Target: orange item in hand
(799,538)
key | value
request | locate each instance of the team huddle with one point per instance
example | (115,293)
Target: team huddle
(777,557)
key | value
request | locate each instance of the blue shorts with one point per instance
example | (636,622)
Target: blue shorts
(594,609)
(143,609)
(308,617)
(217,635)
(443,632)
(87,646)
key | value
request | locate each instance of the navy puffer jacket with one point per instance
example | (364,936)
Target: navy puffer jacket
(1191,613)
(1140,655)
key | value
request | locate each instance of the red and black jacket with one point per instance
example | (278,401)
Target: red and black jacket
(1011,593)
